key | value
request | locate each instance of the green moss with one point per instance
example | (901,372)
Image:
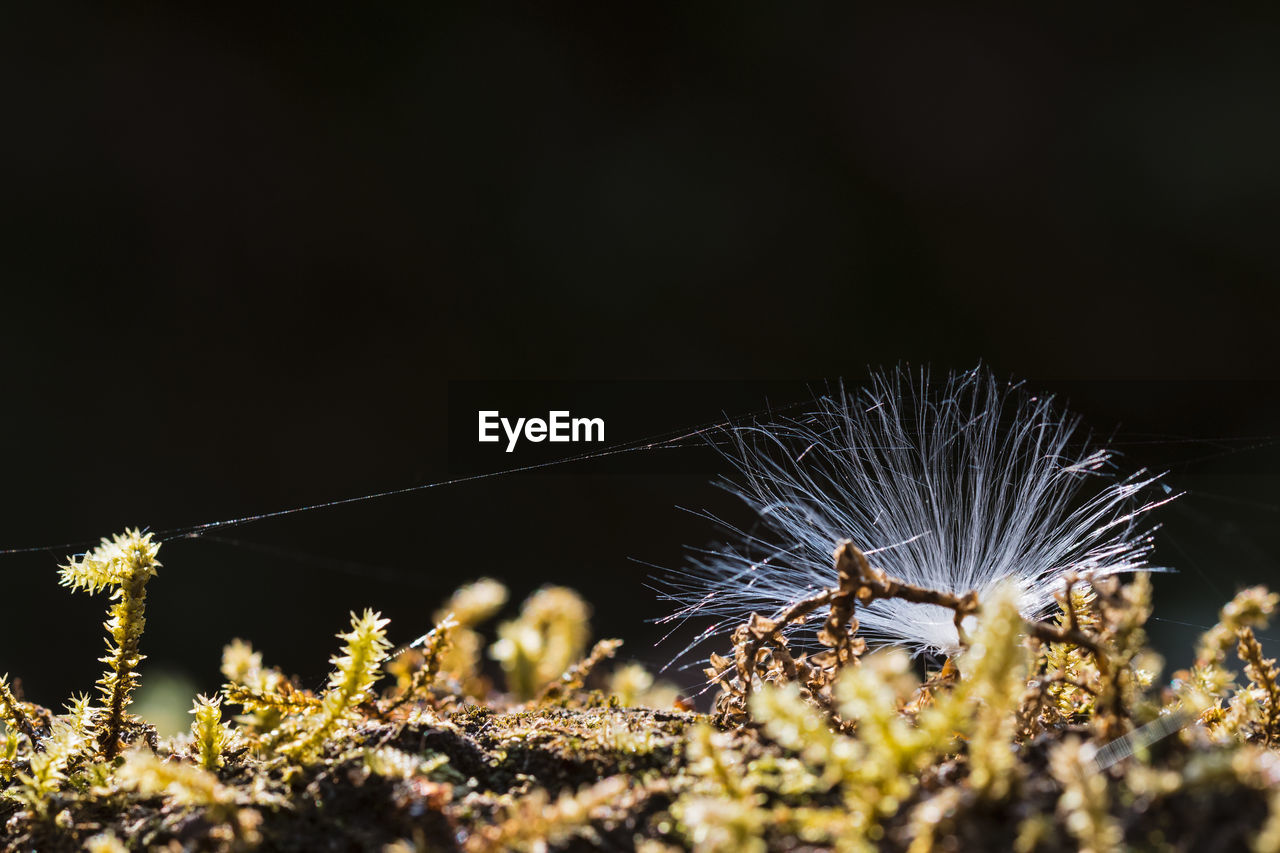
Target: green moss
(1036,737)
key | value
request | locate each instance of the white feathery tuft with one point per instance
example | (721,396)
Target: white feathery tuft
(954,486)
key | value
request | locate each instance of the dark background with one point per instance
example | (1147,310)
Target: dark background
(244,255)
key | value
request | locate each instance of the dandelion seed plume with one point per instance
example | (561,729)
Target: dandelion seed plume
(953,485)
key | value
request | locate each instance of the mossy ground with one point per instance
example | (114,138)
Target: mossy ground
(339,804)
(1033,738)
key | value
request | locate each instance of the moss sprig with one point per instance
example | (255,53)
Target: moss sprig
(470,606)
(546,639)
(1262,673)
(212,736)
(1085,801)
(416,680)
(575,677)
(357,669)
(536,822)
(46,771)
(125,562)
(265,694)
(186,784)
(11,711)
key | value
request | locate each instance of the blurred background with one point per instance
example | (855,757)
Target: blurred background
(244,256)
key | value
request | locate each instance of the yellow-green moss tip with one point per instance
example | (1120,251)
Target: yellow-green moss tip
(112,563)
(550,634)
(126,561)
(212,736)
(357,668)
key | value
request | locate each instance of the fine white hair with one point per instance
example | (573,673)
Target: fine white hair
(954,485)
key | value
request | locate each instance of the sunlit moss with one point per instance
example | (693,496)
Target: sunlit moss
(470,606)
(548,636)
(125,562)
(633,686)
(46,771)
(212,736)
(536,821)
(1033,735)
(357,668)
(1085,801)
